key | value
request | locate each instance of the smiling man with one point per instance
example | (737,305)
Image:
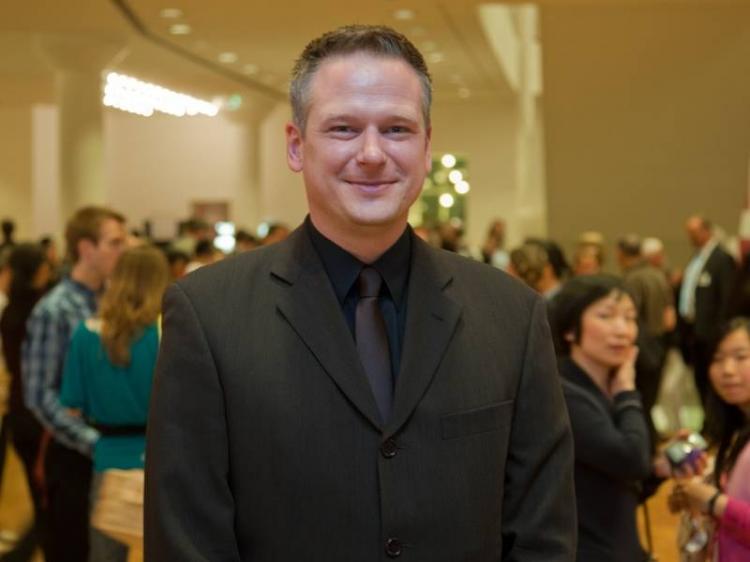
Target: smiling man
(351,394)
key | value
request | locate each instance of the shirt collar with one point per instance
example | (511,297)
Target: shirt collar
(343,268)
(81,289)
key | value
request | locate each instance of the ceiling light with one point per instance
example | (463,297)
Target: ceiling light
(171,13)
(135,96)
(455,176)
(462,187)
(446,200)
(250,69)
(436,57)
(180,29)
(464,93)
(228,57)
(404,15)
(448,160)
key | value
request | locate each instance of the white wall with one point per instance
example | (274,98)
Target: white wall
(15,168)
(282,193)
(158,166)
(485,132)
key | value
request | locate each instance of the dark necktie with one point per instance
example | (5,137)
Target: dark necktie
(372,340)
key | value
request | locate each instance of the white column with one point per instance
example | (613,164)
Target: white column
(78,64)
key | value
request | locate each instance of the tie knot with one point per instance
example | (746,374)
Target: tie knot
(369,282)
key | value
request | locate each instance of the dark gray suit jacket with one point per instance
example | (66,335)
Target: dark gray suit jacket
(713,294)
(264,440)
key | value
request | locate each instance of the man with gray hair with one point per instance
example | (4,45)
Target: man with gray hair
(704,297)
(351,393)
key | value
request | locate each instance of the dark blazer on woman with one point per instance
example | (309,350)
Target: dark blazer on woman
(265,442)
(611,456)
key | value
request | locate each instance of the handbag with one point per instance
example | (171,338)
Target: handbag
(118,507)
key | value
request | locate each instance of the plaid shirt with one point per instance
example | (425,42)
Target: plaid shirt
(48,333)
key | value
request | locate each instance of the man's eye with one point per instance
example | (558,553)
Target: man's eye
(341,129)
(398,129)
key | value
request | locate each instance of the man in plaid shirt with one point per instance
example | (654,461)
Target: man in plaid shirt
(95,238)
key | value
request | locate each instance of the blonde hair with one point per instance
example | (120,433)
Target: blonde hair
(132,300)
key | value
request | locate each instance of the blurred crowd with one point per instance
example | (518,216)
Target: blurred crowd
(80,338)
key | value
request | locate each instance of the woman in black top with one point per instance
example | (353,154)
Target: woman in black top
(594,322)
(30,275)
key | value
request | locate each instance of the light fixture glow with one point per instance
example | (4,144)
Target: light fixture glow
(142,98)
(462,187)
(171,13)
(180,29)
(455,176)
(404,15)
(446,200)
(228,57)
(250,69)
(436,57)
(464,93)
(448,160)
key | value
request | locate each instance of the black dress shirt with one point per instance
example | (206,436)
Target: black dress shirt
(343,270)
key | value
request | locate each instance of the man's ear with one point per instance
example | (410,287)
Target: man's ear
(85,248)
(293,147)
(428,150)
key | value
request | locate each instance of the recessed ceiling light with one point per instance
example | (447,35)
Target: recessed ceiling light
(464,93)
(250,69)
(404,15)
(228,57)
(171,13)
(180,29)
(436,57)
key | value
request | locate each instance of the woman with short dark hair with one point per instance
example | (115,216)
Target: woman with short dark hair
(595,326)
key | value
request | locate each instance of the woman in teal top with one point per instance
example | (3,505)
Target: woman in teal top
(109,368)
(110,396)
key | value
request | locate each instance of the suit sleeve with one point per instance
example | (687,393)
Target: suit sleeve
(539,517)
(189,508)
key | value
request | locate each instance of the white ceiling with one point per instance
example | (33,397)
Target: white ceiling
(267,35)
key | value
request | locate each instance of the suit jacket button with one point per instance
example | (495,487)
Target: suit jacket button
(389,449)
(393,548)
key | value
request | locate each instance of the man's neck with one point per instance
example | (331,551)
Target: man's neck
(365,243)
(84,275)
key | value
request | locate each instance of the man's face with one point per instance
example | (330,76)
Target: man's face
(365,151)
(106,252)
(696,232)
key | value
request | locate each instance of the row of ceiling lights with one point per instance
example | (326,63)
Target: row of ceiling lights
(433,56)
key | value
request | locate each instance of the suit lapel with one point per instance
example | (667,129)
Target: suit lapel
(431,320)
(307,301)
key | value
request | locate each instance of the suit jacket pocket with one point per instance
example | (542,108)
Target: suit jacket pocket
(478,420)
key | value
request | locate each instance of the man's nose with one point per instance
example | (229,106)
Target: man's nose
(371,151)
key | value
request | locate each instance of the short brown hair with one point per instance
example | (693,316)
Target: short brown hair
(374,39)
(85,224)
